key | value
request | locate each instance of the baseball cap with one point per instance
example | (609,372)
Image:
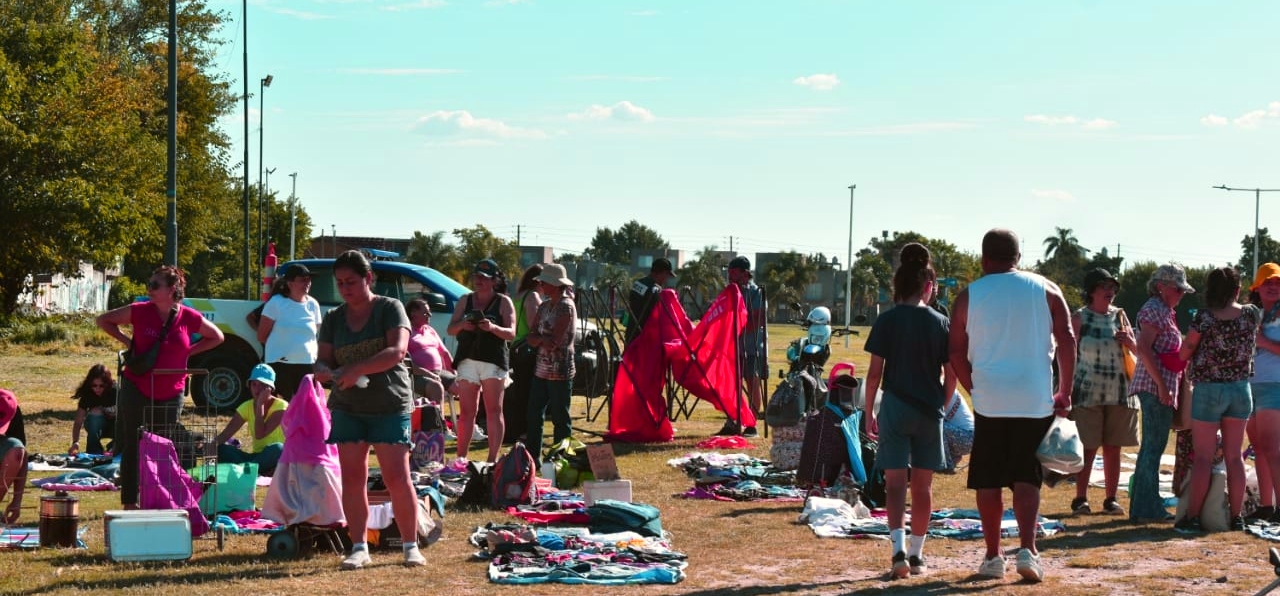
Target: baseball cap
(1175,275)
(1094,278)
(8,409)
(660,265)
(297,270)
(263,374)
(740,263)
(1265,272)
(487,268)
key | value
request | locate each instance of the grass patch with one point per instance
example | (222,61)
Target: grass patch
(734,548)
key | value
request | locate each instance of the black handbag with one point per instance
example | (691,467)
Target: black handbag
(141,364)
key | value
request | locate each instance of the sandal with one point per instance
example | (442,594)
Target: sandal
(1080,506)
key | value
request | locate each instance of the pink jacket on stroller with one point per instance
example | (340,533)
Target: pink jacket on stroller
(163,484)
(307,485)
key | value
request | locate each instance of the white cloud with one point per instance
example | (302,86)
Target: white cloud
(400,72)
(1053,194)
(1071,121)
(460,123)
(1248,120)
(818,82)
(418,5)
(623,110)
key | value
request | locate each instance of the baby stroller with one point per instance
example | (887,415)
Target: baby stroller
(306,490)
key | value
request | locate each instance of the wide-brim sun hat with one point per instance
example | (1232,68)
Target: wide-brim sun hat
(555,275)
(1265,272)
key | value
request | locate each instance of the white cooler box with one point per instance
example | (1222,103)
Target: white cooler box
(594,490)
(147,535)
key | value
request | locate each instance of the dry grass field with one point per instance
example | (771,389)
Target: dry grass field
(733,548)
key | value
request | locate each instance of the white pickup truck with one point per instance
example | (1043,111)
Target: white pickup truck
(229,364)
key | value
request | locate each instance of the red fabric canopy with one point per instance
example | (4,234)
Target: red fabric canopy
(702,359)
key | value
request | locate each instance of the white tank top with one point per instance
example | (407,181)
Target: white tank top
(1011,346)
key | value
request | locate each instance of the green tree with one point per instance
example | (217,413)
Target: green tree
(1062,240)
(1268,252)
(432,251)
(613,247)
(704,275)
(788,276)
(79,169)
(478,243)
(1103,260)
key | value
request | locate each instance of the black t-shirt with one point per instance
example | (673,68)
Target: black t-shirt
(17,429)
(642,298)
(913,342)
(90,400)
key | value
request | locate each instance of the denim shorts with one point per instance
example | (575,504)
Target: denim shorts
(8,444)
(1211,402)
(385,429)
(474,371)
(1266,396)
(908,438)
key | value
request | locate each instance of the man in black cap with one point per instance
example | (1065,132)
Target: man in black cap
(644,295)
(751,356)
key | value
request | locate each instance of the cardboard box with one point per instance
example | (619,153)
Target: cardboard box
(147,535)
(594,490)
(603,463)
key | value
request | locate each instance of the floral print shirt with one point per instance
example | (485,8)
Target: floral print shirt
(1225,353)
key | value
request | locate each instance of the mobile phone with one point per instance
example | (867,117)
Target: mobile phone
(475,316)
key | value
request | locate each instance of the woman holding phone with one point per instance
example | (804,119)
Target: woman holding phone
(483,321)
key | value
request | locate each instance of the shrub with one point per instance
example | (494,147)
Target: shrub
(123,291)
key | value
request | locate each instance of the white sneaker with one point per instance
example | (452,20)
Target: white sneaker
(479,435)
(357,559)
(413,558)
(993,567)
(1029,566)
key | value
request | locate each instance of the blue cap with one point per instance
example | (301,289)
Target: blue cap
(263,374)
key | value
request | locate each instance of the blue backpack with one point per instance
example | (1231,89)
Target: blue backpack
(513,478)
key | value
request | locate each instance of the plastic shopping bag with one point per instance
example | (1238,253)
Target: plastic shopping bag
(1061,450)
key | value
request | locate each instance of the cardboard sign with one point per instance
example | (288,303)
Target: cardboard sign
(603,464)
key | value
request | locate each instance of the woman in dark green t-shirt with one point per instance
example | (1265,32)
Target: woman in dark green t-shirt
(363,344)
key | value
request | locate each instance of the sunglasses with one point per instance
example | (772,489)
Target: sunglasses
(99,385)
(155,285)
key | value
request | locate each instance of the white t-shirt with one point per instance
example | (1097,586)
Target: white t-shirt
(293,336)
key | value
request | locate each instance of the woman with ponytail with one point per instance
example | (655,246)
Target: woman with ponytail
(908,346)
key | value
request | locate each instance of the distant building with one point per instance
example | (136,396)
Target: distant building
(56,293)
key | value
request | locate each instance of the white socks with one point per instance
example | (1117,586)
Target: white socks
(896,539)
(916,547)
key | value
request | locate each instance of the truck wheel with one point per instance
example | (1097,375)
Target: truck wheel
(224,387)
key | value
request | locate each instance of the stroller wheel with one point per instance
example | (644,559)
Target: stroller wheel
(283,544)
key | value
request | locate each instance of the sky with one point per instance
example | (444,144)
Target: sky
(742,123)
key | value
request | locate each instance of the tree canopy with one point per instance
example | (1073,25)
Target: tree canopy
(615,248)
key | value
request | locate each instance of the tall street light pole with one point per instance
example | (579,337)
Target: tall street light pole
(293,216)
(171,171)
(266,201)
(262,87)
(248,291)
(848,270)
(1257,208)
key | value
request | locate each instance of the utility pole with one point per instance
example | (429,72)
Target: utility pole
(517,235)
(171,169)
(244,18)
(848,269)
(293,217)
(1257,208)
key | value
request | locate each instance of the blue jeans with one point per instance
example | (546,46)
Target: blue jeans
(266,459)
(94,427)
(1145,501)
(548,397)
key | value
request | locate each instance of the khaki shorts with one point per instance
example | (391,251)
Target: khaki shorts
(1111,426)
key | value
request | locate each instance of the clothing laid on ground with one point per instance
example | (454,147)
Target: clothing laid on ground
(481,345)
(389,391)
(293,330)
(1100,378)
(1225,351)
(1011,345)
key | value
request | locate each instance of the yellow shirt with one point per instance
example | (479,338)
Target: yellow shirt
(245,411)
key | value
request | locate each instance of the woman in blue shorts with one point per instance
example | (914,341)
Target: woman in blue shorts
(1220,347)
(1263,428)
(362,349)
(908,347)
